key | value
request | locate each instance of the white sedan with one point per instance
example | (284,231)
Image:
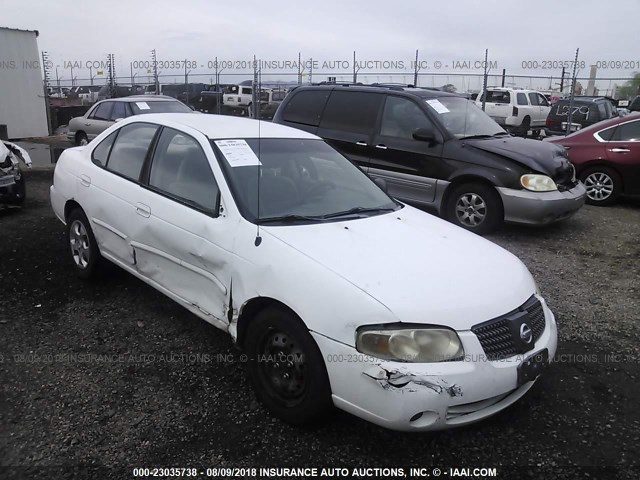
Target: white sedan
(338,294)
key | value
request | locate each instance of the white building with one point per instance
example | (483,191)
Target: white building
(22,104)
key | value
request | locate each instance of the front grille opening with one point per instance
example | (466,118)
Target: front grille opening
(496,337)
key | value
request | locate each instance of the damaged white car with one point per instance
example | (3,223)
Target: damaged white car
(12,183)
(338,294)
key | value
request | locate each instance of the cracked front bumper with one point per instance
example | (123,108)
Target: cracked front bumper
(541,208)
(428,396)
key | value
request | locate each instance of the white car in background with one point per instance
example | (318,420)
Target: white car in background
(516,110)
(337,293)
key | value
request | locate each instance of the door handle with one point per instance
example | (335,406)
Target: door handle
(87,124)
(362,144)
(85,181)
(143,210)
(619,150)
(381,147)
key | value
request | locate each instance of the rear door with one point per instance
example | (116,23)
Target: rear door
(109,193)
(348,123)
(409,167)
(183,245)
(624,151)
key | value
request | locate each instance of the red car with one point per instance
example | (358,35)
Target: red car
(607,158)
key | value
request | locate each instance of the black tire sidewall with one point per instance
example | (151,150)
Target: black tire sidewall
(80,136)
(495,211)
(316,400)
(617,185)
(94,252)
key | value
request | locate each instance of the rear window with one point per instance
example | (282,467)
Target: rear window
(496,96)
(141,107)
(306,107)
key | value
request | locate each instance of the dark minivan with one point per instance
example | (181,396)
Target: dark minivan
(436,149)
(586,112)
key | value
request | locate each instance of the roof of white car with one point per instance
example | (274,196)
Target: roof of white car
(224,126)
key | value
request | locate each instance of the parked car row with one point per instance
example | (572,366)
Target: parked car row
(520,111)
(272,235)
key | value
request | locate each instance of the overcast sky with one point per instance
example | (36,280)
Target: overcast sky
(81,31)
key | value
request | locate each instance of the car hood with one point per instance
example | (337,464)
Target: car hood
(421,268)
(542,157)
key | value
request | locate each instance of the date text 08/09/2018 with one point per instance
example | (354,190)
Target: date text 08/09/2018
(312,472)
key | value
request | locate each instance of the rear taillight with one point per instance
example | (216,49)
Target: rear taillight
(515,111)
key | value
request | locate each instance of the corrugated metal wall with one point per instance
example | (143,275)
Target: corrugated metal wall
(22,105)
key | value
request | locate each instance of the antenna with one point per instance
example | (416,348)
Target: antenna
(257,97)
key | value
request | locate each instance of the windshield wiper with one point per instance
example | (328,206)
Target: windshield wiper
(291,218)
(356,210)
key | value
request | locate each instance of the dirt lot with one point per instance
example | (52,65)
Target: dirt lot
(66,408)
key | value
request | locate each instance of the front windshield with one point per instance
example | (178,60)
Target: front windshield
(159,107)
(463,118)
(303,180)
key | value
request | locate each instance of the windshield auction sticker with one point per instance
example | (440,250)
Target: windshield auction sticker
(438,106)
(143,106)
(238,153)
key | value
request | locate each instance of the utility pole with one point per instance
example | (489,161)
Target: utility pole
(504,73)
(484,79)
(416,69)
(310,70)
(154,62)
(355,71)
(47,84)
(573,92)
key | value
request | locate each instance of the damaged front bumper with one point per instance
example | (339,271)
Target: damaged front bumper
(12,184)
(429,396)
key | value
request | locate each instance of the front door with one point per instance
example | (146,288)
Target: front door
(410,167)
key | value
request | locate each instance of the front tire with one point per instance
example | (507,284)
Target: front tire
(475,207)
(286,367)
(85,254)
(603,185)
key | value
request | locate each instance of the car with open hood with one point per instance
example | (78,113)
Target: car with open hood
(337,293)
(439,150)
(12,183)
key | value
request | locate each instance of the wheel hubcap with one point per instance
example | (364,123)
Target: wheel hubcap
(471,209)
(80,247)
(283,366)
(599,186)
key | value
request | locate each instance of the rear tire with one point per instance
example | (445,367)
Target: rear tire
(603,185)
(475,207)
(85,254)
(81,139)
(523,130)
(286,368)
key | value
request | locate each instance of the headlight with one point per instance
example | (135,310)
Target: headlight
(418,345)
(538,183)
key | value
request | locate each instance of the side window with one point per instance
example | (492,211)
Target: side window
(607,134)
(119,111)
(247,91)
(533,97)
(100,154)
(628,132)
(602,111)
(306,107)
(355,112)
(103,111)
(522,99)
(543,100)
(181,169)
(130,149)
(401,117)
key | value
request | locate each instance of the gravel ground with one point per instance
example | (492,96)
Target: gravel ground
(62,413)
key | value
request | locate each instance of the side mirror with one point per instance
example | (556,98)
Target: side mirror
(118,119)
(380,182)
(424,135)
